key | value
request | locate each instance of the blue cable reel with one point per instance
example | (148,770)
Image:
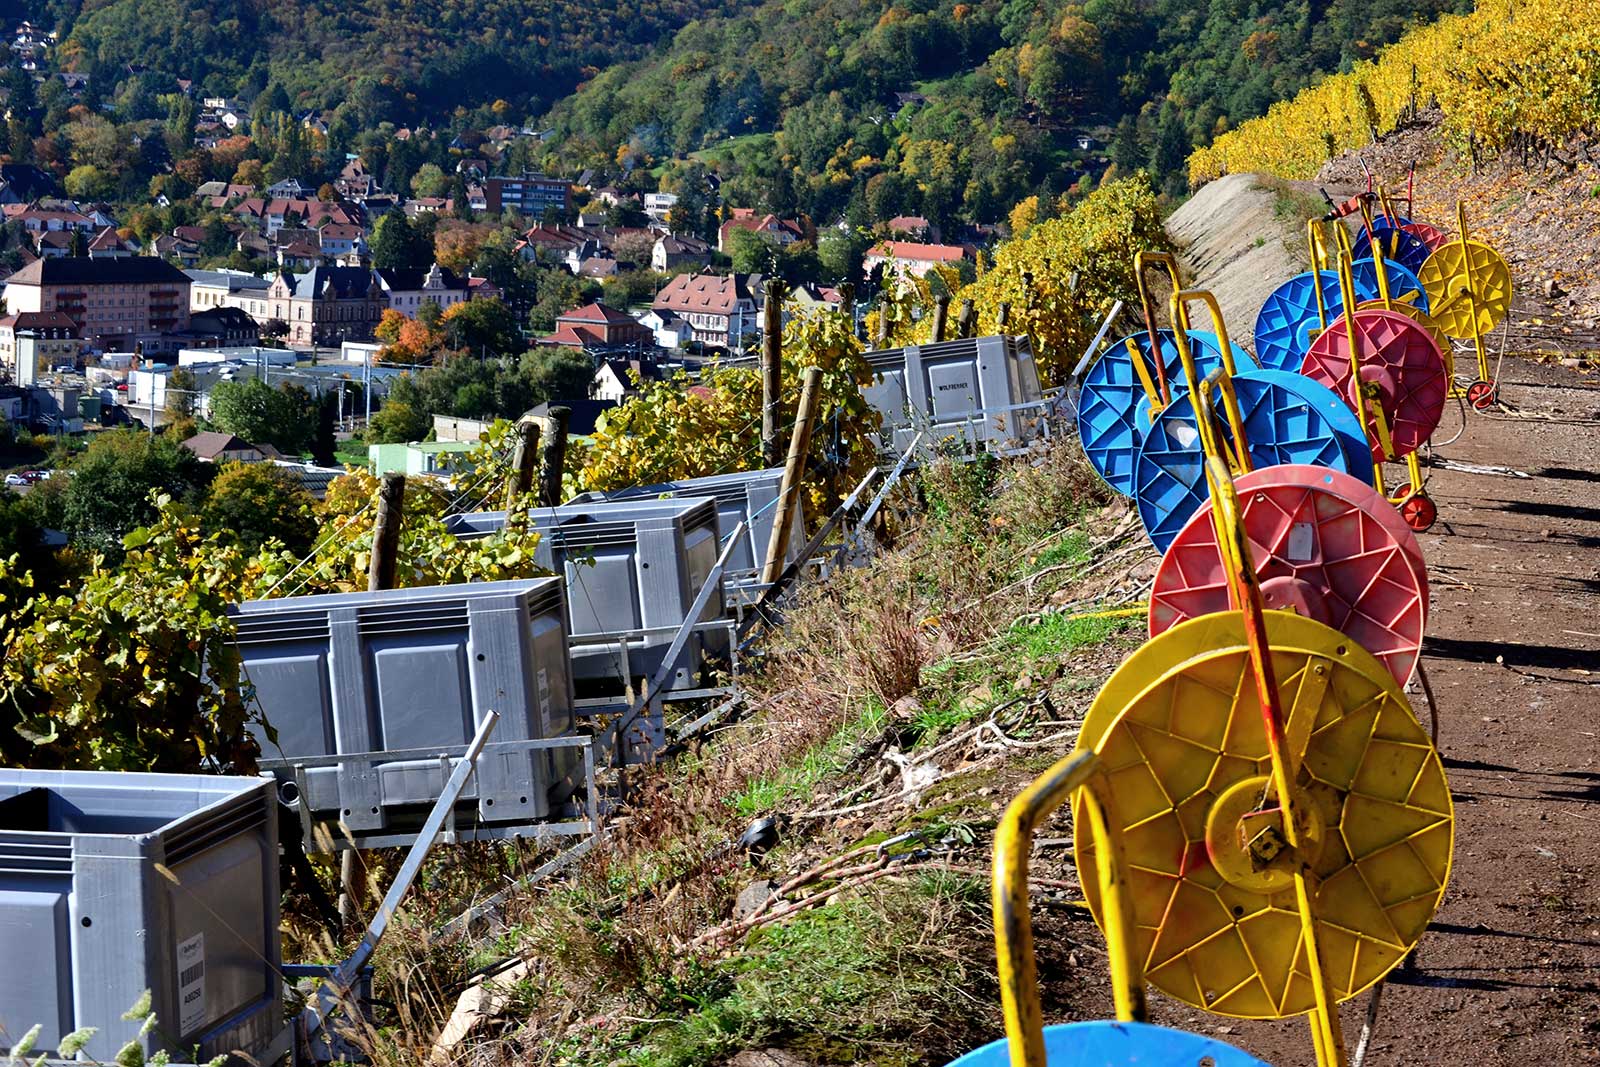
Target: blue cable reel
(1346,424)
(1282,426)
(1288,318)
(1104,1043)
(1399,246)
(1404,286)
(1113,411)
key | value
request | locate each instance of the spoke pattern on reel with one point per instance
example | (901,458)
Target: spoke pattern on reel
(1404,288)
(1113,411)
(1188,767)
(1399,246)
(1398,356)
(1316,554)
(1288,319)
(1448,276)
(1281,426)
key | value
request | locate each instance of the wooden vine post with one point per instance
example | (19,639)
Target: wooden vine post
(772,375)
(553,456)
(793,470)
(524,462)
(941,314)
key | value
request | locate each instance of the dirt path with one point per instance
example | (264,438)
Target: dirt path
(1509,974)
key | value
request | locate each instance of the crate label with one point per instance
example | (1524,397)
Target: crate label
(544,691)
(191,983)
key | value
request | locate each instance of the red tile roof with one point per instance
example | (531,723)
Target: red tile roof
(910,250)
(596,312)
(716,294)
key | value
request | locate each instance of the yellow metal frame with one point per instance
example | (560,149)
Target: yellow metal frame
(1156,391)
(1013,928)
(1371,406)
(1239,455)
(1472,297)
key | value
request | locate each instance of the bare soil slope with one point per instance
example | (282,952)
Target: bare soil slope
(1241,236)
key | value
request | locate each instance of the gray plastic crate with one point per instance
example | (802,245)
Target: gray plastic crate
(88,922)
(406,669)
(982,389)
(632,569)
(748,496)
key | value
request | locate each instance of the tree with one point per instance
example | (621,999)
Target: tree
(396,244)
(430,180)
(751,252)
(182,390)
(324,441)
(109,493)
(260,414)
(253,503)
(558,373)
(88,182)
(397,422)
(625,212)
(481,326)
(556,291)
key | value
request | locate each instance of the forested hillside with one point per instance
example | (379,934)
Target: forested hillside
(400,61)
(803,104)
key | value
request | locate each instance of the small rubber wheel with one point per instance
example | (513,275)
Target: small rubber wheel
(1420,512)
(1481,395)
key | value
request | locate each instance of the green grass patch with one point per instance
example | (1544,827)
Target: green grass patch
(1054,635)
(858,977)
(1073,548)
(351,453)
(826,758)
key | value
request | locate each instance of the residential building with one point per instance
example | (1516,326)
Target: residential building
(35,218)
(659,205)
(224,327)
(672,251)
(115,303)
(327,305)
(912,227)
(908,257)
(617,379)
(407,290)
(229,289)
(107,244)
(23,183)
(340,239)
(51,335)
(718,308)
(531,194)
(781,231)
(596,325)
(422,457)
(669,330)
(214,447)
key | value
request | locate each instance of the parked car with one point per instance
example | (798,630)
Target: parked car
(16,479)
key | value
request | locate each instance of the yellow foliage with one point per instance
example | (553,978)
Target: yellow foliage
(1096,242)
(1023,216)
(1497,80)
(686,429)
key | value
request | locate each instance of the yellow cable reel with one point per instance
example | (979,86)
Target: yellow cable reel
(1216,922)
(1469,288)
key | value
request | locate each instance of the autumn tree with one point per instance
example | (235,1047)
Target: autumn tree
(251,504)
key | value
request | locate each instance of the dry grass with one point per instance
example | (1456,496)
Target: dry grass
(883,975)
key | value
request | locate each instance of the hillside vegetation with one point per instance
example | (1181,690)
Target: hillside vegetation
(1006,86)
(1522,80)
(416,59)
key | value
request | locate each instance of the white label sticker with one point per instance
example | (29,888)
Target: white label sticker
(191,983)
(544,691)
(1302,543)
